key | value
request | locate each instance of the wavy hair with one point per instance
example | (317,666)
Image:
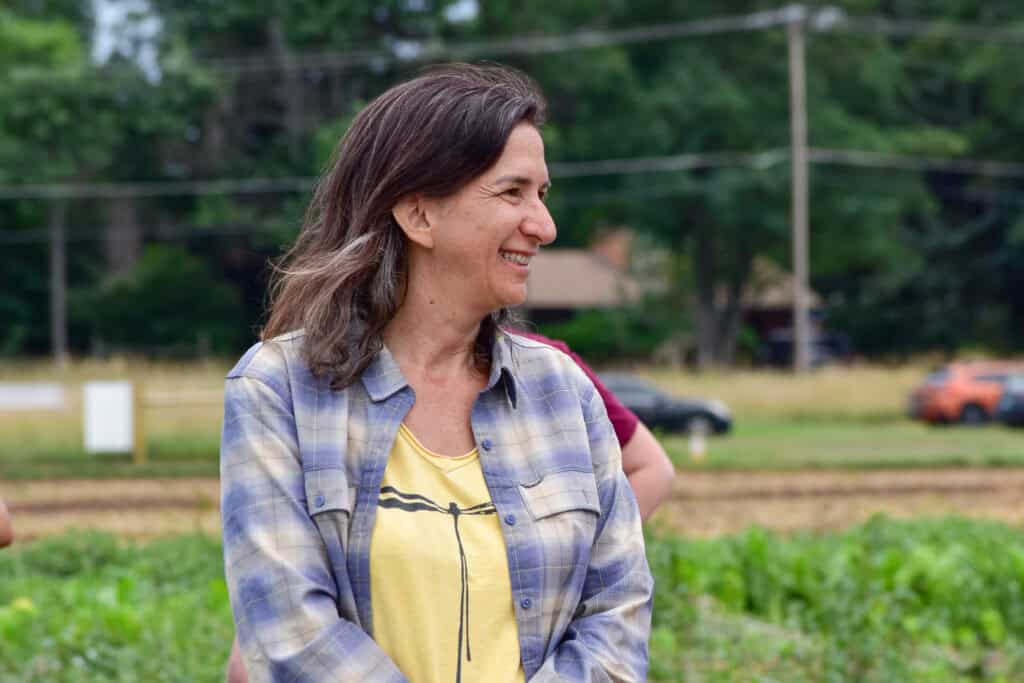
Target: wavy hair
(344,278)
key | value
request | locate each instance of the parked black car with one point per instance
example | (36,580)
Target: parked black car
(1011,406)
(659,410)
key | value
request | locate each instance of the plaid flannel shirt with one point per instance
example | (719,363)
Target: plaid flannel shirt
(301,467)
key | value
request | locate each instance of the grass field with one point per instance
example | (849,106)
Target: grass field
(762,443)
(837,417)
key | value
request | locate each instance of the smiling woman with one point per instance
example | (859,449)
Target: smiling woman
(410,491)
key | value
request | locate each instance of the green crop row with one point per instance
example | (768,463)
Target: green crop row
(888,601)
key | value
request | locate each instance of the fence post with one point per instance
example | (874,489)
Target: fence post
(140,456)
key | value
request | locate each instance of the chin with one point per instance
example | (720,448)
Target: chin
(513,299)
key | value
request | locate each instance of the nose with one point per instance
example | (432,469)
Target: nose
(540,225)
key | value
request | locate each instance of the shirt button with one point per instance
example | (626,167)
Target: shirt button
(526,603)
(510,519)
(319,501)
(486,443)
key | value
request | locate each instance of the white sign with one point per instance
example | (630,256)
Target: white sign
(109,417)
(31,396)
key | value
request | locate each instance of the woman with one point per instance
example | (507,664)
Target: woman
(408,491)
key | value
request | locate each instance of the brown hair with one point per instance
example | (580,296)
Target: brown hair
(343,279)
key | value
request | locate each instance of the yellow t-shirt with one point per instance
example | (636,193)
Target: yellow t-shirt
(439,583)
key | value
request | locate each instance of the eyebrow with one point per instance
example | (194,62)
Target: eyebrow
(519,180)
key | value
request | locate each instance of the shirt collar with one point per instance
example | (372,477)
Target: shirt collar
(383,378)
(504,365)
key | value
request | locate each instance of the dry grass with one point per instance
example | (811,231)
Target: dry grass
(858,393)
(183,402)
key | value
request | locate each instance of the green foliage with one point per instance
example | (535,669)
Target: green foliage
(615,335)
(936,600)
(929,600)
(127,612)
(169,299)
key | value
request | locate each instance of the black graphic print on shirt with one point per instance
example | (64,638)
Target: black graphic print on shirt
(393,499)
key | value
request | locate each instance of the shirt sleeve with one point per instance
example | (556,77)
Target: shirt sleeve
(282,590)
(607,638)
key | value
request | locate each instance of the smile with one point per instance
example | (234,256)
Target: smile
(519,259)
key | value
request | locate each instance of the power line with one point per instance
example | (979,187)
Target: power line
(298,184)
(94,233)
(826,20)
(853,157)
(415,51)
(823,20)
(157,188)
(661,164)
(629,166)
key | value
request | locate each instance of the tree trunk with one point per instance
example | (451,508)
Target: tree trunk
(123,235)
(731,319)
(291,95)
(704,275)
(214,144)
(718,322)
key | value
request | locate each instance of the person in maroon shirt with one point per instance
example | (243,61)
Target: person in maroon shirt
(644,461)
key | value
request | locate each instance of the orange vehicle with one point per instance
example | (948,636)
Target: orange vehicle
(967,392)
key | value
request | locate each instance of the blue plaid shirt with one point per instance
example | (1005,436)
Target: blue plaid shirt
(301,467)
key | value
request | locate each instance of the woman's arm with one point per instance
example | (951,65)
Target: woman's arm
(280,581)
(648,469)
(6,529)
(607,638)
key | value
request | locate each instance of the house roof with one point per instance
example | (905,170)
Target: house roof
(771,287)
(577,278)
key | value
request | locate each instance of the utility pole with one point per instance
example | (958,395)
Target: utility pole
(58,284)
(798,142)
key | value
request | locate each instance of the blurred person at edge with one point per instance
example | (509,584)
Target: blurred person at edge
(647,466)
(6,528)
(410,492)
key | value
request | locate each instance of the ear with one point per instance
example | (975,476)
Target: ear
(411,215)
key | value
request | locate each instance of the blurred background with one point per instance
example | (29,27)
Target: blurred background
(804,220)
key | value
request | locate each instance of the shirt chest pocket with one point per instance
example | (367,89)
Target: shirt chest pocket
(565,506)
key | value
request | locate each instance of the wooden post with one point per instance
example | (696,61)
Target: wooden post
(697,430)
(798,142)
(139,453)
(58,284)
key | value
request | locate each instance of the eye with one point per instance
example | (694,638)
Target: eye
(514,192)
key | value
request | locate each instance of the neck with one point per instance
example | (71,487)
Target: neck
(428,338)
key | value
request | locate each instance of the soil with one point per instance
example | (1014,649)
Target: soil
(701,503)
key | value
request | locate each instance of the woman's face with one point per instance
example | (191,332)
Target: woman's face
(488,232)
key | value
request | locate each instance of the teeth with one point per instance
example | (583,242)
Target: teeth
(521,259)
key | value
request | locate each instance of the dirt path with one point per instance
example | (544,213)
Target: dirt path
(702,504)
(710,504)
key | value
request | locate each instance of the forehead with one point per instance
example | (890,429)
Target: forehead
(522,157)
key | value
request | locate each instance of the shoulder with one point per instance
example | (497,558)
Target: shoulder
(534,336)
(271,361)
(544,364)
